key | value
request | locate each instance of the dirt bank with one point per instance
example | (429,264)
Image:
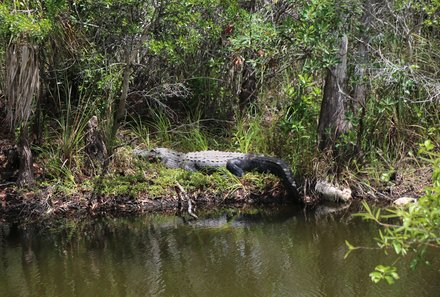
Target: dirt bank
(44,204)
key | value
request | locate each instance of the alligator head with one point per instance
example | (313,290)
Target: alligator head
(170,158)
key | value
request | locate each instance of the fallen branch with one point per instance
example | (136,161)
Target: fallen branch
(180,190)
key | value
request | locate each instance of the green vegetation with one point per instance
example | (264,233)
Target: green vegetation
(160,182)
(342,90)
(411,229)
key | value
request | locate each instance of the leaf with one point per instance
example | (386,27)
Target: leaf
(377,216)
(375,276)
(397,247)
(381,268)
(428,145)
(350,249)
(389,279)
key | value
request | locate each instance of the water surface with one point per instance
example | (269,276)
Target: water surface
(271,253)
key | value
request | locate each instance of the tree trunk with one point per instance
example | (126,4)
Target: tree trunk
(22,84)
(332,122)
(25,172)
(129,57)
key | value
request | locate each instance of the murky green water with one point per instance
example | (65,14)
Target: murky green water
(262,254)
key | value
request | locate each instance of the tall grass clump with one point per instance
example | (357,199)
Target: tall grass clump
(141,131)
(162,128)
(61,151)
(250,136)
(193,138)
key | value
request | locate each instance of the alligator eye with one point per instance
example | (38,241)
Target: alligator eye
(153,154)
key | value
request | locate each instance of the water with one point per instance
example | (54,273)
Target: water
(273,253)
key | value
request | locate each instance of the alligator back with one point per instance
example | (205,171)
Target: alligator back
(207,159)
(190,161)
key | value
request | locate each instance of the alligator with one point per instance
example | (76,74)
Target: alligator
(236,163)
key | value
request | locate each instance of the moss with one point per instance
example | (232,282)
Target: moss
(135,178)
(156,181)
(123,185)
(162,180)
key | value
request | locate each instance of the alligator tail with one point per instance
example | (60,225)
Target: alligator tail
(264,164)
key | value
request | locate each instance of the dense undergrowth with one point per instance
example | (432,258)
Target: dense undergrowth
(254,82)
(248,76)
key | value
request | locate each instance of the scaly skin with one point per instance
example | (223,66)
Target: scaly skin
(236,163)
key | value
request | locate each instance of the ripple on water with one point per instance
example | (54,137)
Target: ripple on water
(232,256)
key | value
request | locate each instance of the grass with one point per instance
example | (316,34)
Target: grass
(193,138)
(250,136)
(61,152)
(141,131)
(136,177)
(158,182)
(162,128)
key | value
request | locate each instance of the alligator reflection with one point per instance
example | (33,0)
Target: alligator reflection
(278,253)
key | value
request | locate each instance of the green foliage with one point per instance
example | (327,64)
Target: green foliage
(194,139)
(398,111)
(304,98)
(386,273)
(162,128)
(254,33)
(114,19)
(314,33)
(250,136)
(185,26)
(141,131)
(24,19)
(413,228)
